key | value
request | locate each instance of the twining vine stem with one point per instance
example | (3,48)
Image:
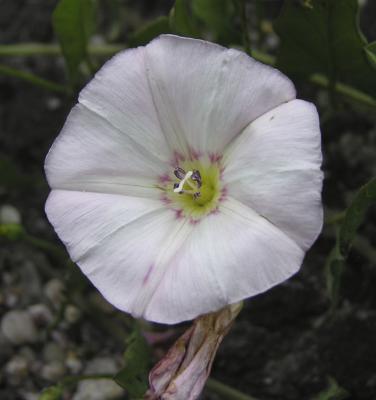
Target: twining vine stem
(106,50)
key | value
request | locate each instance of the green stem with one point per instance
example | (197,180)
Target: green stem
(227,392)
(106,50)
(42,244)
(263,57)
(335,218)
(323,81)
(363,246)
(345,90)
(244,23)
(37,49)
(360,244)
(332,69)
(72,380)
(5,70)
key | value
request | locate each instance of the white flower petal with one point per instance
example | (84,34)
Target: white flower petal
(121,243)
(274,168)
(120,93)
(229,256)
(146,262)
(83,219)
(206,94)
(92,155)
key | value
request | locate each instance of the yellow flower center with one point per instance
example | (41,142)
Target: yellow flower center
(196,188)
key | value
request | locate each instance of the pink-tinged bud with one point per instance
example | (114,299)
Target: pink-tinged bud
(182,373)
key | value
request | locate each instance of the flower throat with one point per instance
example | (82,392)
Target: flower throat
(196,189)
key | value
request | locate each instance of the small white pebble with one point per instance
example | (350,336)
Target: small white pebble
(54,291)
(99,389)
(9,215)
(53,371)
(73,363)
(18,327)
(16,370)
(53,352)
(11,299)
(53,103)
(40,314)
(16,366)
(72,314)
(30,395)
(27,353)
(97,39)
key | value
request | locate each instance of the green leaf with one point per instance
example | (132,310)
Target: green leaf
(11,231)
(149,31)
(218,17)
(334,268)
(74,22)
(353,218)
(370,50)
(333,392)
(134,376)
(181,20)
(323,36)
(33,79)
(51,393)
(355,213)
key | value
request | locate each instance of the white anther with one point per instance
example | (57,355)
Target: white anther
(182,182)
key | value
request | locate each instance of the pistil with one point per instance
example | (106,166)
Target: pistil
(191,178)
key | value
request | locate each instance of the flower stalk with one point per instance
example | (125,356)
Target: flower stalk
(227,392)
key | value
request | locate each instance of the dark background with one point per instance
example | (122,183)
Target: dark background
(284,345)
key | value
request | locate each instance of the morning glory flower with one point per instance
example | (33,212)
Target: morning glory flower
(186,178)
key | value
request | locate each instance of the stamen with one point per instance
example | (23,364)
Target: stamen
(196,176)
(194,188)
(179,173)
(191,178)
(179,188)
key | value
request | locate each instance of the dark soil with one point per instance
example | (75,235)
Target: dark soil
(284,345)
